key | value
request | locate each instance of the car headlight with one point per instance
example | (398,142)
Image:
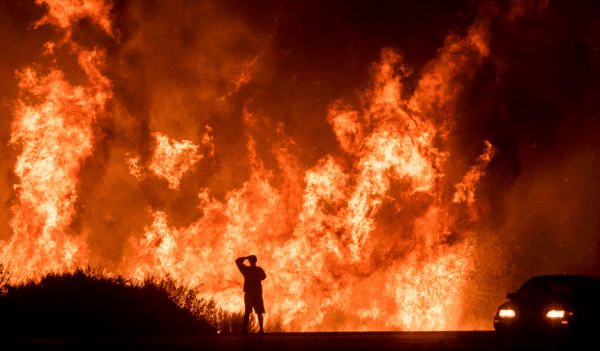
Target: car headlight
(506,313)
(557,314)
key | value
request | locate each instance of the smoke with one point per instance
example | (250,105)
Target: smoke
(277,102)
(175,67)
(535,100)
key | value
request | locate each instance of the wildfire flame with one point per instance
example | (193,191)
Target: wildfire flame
(366,239)
(56,136)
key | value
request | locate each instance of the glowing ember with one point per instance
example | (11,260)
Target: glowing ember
(465,191)
(172,159)
(63,13)
(134,167)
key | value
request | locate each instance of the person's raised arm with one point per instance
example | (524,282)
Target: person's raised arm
(240,263)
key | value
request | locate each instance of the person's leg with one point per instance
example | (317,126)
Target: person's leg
(247,311)
(260,322)
(246,320)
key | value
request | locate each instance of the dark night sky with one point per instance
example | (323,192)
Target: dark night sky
(536,98)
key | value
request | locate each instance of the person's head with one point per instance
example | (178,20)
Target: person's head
(252,259)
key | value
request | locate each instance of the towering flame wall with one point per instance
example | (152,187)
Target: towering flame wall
(380,232)
(54,125)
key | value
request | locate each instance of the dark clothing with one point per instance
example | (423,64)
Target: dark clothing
(254,301)
(253,276)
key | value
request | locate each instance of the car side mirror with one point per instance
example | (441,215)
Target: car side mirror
(511,296)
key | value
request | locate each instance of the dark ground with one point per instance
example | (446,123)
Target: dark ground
(473,340)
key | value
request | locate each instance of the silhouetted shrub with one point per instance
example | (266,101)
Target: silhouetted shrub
(87,303)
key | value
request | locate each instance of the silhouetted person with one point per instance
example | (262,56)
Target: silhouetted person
(253,275)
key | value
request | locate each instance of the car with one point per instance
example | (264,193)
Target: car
(551,308)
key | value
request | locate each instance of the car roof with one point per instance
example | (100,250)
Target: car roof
(565,277)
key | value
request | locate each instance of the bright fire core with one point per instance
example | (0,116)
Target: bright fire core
(373,236)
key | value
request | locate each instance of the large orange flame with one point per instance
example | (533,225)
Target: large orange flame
(366,239)
(335,256)
(54,126)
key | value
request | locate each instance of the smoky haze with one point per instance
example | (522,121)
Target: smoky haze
(222,75)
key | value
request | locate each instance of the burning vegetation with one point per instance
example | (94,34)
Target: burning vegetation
(118,165)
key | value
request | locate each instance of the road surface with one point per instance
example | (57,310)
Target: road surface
(469,340)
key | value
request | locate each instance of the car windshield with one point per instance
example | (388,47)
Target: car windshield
(556,286)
